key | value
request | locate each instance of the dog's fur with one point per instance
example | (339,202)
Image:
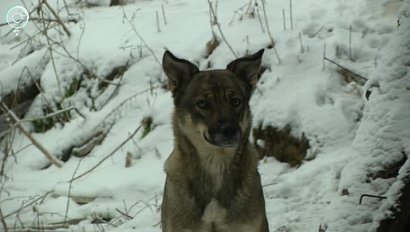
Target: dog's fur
(212,184)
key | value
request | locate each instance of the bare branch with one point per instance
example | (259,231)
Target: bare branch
(23,130)
(106,157)
(54,114)
(58,19)
(27,205)
(361,80)
(3,222)
(69,192)
(273,44)
(220,29)
(141,38)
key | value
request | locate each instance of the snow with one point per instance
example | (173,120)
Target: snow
(351,137)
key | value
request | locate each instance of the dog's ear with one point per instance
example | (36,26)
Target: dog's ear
(247,67)
(178,71)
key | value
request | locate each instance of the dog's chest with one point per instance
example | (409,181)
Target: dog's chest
(216,167)
(214,213)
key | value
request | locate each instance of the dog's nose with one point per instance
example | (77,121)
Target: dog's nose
(226,134)
(228,130)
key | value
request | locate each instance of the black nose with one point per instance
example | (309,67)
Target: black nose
(228,130)
(226,134)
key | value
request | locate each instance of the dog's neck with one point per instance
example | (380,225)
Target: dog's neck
(216,163)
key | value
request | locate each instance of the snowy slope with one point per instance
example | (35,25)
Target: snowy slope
(351,137)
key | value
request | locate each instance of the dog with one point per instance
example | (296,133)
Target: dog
(212,182)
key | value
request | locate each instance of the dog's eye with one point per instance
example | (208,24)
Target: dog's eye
(236,102)
(202,104)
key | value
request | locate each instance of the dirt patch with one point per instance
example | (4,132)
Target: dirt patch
(281,144)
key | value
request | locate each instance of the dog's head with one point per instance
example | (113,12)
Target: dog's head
(213,105)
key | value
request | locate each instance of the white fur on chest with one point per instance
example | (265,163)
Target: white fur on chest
(216,165)
(214,213)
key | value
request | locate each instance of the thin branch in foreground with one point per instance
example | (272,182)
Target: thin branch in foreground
(54,114)
(107,156)
(350,42)
(291,14)
(260,20)
(113,111)
(302,49)
(361,80)
(273,44)
(69,192)
(284,19)
(59,21)
(23,130)
(141,38)
(324,56)
(3,222)
(157,19)
(50,49)
(124,214)
(23,206)
(163,14)
(267,24)
(220,29)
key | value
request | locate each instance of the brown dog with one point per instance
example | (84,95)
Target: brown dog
(212,184)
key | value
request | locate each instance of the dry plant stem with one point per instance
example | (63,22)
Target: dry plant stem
(106,81)
(57,18)
(3,222)
(50,49)
(291,14)
(127,100)
(260,20)
(27,205)
(302,49)
(350,42)
(324,56)
(220,29)
(108,156)
(317,32)
(55,114)
(157,17)
(142,39)
(23,130)
(163,14)
(347,70)
(124,214)
(69,192)
(267,25)
(284,19)
(3,164)
(269,33)
(211,22)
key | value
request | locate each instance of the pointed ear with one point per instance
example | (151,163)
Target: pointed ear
(247,67)
(178,71)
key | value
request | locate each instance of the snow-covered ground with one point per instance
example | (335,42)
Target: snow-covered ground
(351,137)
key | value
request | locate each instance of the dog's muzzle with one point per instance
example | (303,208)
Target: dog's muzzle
(224,135)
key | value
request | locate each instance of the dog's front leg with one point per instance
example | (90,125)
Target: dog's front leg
(180,212)
(247,208)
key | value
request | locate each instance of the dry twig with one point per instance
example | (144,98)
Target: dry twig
(220,29)
(37,144)
(3,222)
(361,80)
(58,19)
(107,156)
(273,44)
(140,37)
